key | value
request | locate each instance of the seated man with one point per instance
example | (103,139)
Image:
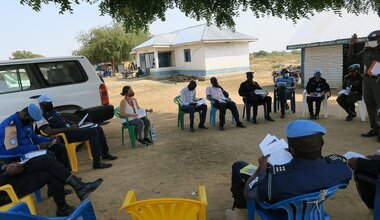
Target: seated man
(189,105)
(221,101)
(307,172)
(284,86)
(316,89)
(352,87)
(18,137)
(366,171)
(255,95)
(57,124)
(45,169)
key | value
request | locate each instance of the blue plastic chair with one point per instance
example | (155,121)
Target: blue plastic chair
(277,104)
(376,212)
(303,207)
(37,193)
(85,211)
(213,114)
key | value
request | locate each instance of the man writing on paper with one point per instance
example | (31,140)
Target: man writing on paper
(284,86)
(18,137)
(370,57)
(55,123)
(307,172)
(191,104)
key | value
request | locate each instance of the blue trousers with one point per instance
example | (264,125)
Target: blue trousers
(202,109)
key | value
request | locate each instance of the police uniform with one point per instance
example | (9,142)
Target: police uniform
(299,176)
(371,84)
(347,102)
(316,86)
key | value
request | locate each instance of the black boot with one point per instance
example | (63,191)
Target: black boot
(98,164)
(64,209)
(83,189)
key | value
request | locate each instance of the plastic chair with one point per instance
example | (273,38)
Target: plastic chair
(85,211)
(166,208)
(12,195)
(376,211)
(37,193)
(126,125)
(181,114)
(303,207)
(247,109)
(277,104)
(362,110)
(305,107)
(213,114)
(71,150)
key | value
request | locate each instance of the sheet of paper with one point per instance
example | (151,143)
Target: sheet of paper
(200,102)
(24,161)
(278,152)
(351,154)
(141,112)
(374,69)
(81,121)
(34,153)
(248,170)
(344,91)
(88,125)
(267,140)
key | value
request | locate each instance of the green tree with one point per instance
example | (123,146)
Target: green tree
(18,54)
(109,44)
(138,14)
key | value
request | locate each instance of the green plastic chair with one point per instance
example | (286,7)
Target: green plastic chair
(126,125)
(181,114)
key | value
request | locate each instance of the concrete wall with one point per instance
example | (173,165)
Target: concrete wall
(329,59)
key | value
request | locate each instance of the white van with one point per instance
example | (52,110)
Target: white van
(71,81)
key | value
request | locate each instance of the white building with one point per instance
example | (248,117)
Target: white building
(324,42)
(200,50)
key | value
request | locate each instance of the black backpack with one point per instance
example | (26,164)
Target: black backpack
(238,181)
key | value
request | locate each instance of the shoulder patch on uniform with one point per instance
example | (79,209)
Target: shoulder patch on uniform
(335,158)
(280,169)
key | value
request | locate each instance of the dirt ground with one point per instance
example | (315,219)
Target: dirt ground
(181,161)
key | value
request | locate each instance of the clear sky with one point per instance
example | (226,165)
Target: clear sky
(51,34)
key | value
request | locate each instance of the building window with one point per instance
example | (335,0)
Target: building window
(187,54)
(164,59)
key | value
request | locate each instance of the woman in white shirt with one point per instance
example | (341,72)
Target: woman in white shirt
(136,115)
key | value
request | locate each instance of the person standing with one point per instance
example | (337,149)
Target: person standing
(255,95)
(316,88)
(352,91)
(284,87)
(370,57)
(219,96)
(130,108)
(189,105)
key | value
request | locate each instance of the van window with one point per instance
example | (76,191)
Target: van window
(61,73)
(13,79)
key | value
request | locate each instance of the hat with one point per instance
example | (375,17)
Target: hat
(35,112)
(250,73)
(44,98)
(317,70)
(374,35)
(302,128)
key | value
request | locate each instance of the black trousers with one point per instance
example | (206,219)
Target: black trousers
(60,153)
(38,172)
(255,101)
(366,186)
(96,137)
(347,102)
(223,106)
(318,101)
(202,109)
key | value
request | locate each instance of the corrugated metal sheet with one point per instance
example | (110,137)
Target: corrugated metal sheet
(195,34)
(329,60)
(328,26)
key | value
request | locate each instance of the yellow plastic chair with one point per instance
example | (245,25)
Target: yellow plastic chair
(12,195)
(166,208)
(71,150)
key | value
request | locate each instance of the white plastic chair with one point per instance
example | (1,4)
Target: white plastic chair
(305,107)
(362,109)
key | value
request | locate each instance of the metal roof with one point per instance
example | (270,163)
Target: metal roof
(328,28)
(195,34)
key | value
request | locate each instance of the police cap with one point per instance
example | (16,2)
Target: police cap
(302,128)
